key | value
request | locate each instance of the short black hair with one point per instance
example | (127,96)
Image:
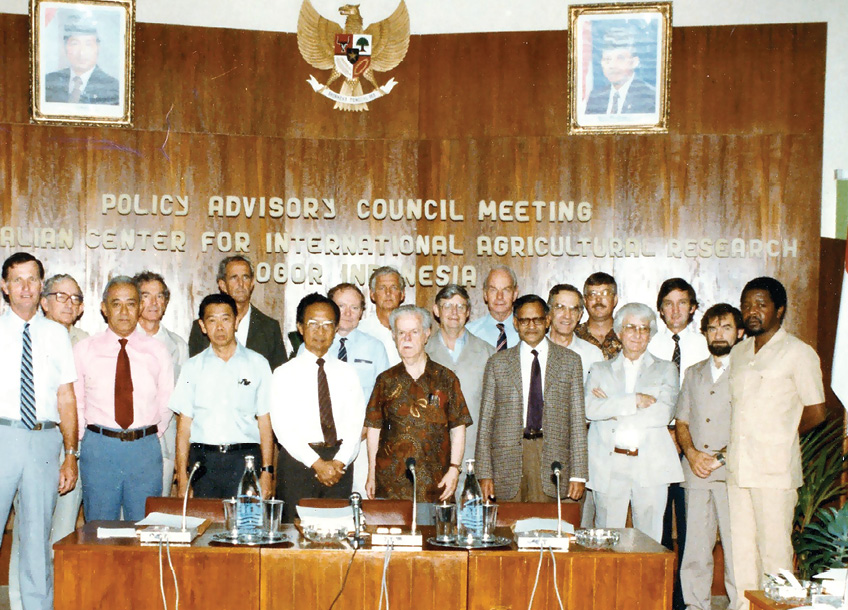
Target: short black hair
(672,284)
(19,258)
(775,289)
(719,311)
(599,278)
(314,299)
(217,299)
(527,299)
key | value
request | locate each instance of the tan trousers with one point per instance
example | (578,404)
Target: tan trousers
(761,534)
(530,489)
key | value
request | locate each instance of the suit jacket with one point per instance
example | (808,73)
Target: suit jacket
(100,88)
(657,462)
(499,435)
(641,98)
(705,407)
(469,368)
(263,336)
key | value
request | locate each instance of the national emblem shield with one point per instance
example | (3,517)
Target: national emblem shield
(352,54)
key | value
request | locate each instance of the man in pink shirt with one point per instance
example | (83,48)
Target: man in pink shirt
(124,382)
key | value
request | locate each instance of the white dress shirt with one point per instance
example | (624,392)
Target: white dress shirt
(84,77)
(243,326)
(716,371)
(526,365)
(294,407)
(177,347)
(372,326)
(52,364)
(589,354)
(693,347)
(625,437)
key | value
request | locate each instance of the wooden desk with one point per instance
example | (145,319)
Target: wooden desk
(637,574)
(759,601)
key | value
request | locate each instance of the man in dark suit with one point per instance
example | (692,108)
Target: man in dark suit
(254,329)
(84,82)
(531,414)
(625,94)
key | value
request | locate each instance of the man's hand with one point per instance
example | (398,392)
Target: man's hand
(68,474)
(449,482)
(325,472)
(701,463)
(487,488)
(599,393)
(265,483)
(576,489)
(643,401)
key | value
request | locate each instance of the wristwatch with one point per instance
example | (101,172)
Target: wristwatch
(268,469)
(721,458)
(73,452)
(457,466)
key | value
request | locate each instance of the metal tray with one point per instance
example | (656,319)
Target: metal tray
(495,543)
(265,538)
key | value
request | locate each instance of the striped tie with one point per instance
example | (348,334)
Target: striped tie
(27,386)
(675,357)
(342,349)
(501,346)
(325,406)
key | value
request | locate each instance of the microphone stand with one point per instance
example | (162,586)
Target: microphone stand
(194,469)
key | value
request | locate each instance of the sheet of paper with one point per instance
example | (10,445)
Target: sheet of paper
(116,532)
(169,520)
(326,518)
(537,523)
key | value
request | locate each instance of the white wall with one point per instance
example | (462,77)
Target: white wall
(455,16)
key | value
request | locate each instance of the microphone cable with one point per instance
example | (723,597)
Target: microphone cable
(384,585)
(556,587)
(167,544)
(174,574)
(344,580)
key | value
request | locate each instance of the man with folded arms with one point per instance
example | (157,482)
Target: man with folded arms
(125,380)
(37,372)
(222,402)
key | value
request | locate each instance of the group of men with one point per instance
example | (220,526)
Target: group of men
(361,396)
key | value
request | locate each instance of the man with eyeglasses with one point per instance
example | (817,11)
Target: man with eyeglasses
(454,347)
(317,411)
(630,401)
(386,286)
(532,414)
(499,292)
(600,293)
(62,302)
(566,305)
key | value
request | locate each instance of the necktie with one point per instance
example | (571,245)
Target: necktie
(27,386)
(501,345)
(74,98)
(535,400)
(614,108)
(342,349)
(325,406)
(123,388)
(675,357)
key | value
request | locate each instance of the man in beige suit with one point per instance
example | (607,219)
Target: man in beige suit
(532,391)
(703,430)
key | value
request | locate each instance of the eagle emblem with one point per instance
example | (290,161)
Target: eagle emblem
(352,52)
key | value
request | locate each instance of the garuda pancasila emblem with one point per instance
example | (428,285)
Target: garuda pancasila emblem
(352,52)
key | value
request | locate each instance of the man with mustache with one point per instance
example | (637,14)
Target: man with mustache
(600,294)
(777,392)
(703,429)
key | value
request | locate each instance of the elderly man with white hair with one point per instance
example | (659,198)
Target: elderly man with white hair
(416,410)
(630,402)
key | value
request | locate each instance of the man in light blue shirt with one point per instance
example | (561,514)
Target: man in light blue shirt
(499,292)
(222,398)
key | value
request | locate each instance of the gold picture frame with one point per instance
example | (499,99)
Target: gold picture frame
(81,62)
(619,67)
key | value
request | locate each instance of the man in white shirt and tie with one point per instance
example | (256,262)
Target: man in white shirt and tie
(499,293)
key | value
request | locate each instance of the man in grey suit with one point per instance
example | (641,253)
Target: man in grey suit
(703,430)
(531,414)
(454,347)
(630,401)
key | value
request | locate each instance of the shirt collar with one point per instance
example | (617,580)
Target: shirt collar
(19,322)
(542,348)
(724,360)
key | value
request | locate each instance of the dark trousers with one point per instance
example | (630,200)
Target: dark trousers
(296,481)
(676,505)
(220,473)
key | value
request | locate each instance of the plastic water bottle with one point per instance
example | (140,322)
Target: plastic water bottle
(470,521)
(249,508)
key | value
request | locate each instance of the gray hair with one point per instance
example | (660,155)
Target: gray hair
(508,270)
(380,272)
(120,280)
(637,310)
(51,282)
(222,266)
(405,310)
(452,290)
(151,276)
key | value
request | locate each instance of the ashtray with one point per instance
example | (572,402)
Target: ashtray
(314,534)
(596,538)
(786,594)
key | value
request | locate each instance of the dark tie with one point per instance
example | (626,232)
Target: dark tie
(123,388)
(74,98)
(675,357)
(27,385)
(501,345)
(325,406)
(342,349)
(614,108)
(535,400)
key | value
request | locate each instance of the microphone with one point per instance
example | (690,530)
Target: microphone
(194,469)
(410,466)
(355,504)
(556,468)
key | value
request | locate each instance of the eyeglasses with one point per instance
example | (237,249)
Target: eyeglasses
(322,325)
(531,321)
(599,294)
(62,297)
(560,308)
(632,328)
(460,307)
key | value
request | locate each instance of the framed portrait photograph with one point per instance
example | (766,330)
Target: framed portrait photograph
(81,68)
(619,67)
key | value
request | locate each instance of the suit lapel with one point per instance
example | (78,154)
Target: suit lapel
(553,364)
(515,369)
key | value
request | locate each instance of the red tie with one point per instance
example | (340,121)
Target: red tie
(123,388)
